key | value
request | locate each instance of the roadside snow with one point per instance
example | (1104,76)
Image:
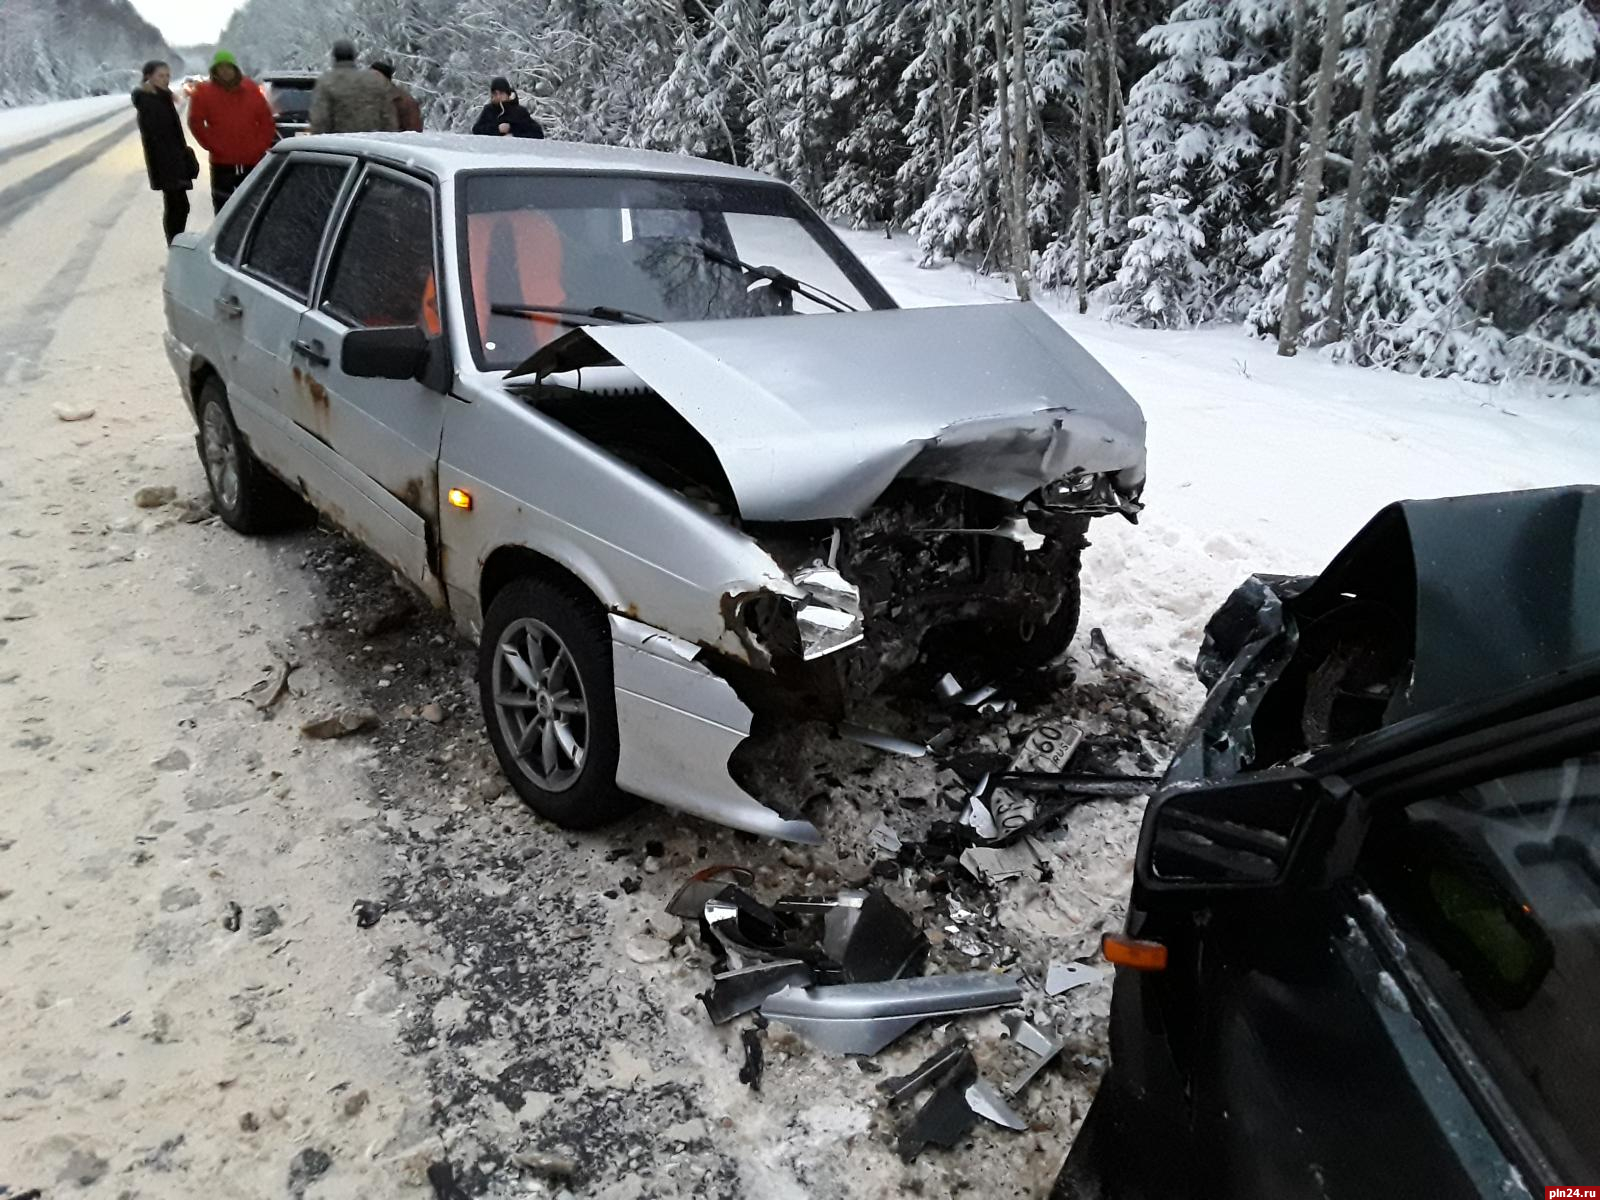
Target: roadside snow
(19,124)
(1260,463)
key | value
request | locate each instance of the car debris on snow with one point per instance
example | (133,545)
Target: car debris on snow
(1063,977)
(863,1018)
(1031,1038)
(368,913)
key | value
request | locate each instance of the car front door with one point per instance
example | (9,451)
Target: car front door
(383,433)
(266,295)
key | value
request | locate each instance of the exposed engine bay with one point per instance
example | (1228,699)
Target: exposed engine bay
(927,556)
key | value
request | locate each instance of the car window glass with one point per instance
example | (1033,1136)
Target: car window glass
(1497,889)
(284,248)
(382,272)
(232,235)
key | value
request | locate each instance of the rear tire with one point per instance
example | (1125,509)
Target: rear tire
(247,496)
(549,702)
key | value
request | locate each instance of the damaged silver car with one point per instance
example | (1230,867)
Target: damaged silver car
(651,433)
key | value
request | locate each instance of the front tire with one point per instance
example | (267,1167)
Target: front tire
(1040,647)
(549,702)
(245,494)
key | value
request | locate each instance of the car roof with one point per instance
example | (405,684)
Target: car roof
(445,154)
(288,77)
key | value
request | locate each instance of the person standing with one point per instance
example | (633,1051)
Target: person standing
(504,115)
(347,100)
(406,109)
(232,120)
(168,161)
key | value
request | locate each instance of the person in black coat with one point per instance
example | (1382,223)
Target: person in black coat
(171,165)
(504,116)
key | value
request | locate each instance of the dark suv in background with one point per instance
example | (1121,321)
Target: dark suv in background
(289,93)
(1362,953)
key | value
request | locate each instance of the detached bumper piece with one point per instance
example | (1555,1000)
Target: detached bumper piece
(959,1097)
(863,1018)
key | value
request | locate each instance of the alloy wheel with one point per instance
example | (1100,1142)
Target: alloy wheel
(540,703)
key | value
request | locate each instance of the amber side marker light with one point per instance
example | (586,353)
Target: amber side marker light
(1132,953)
(460,499)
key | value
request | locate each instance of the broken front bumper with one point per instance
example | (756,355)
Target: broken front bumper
(678,723)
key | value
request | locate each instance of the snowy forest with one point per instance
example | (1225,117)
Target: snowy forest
(58,49)
(1402,183)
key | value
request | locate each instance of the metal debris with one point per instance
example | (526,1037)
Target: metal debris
(949,691)
(1081,786)
(1063,977)
(976,815)
(886,742)
(863,1018)
(994,865)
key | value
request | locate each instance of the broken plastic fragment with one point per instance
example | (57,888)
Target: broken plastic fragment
(995,865)
(742,989)
(976,816)
(689,902)
(863,1018)
(881,837)
(946,1116)
(866,937)
(1063,977)
(989,1104)
(1030,1037)
(927,1072)
(831,617)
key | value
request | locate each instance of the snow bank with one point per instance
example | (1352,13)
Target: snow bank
(1265,463)
(33,120)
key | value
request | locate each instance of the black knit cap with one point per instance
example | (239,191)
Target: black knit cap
(500,84)
(384,69)
(344,50)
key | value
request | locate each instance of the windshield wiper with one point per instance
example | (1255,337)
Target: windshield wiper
(569,316)
(774,276)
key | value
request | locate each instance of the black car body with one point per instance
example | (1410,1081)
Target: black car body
(1374,865)
(289,93)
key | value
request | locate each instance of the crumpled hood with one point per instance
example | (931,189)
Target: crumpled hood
(812,417)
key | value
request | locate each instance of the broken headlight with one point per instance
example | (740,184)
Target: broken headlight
(820,615)
(1091,494)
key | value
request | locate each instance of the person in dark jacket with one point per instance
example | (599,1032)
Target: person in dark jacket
(168,161)
(406,107)
(232,120)
(349,100)
(504,116)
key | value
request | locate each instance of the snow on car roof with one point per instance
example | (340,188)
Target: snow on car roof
(448,153)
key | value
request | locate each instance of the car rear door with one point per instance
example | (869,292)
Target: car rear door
(382,434)
(269,289)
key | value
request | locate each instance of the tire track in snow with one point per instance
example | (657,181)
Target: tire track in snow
(25,339)
(7,153)
(20,197)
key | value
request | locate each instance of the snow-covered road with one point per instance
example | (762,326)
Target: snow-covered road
(523,992)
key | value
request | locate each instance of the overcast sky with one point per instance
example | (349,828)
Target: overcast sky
(186,22)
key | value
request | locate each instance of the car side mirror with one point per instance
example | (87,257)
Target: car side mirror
(387,352)
(1252,833)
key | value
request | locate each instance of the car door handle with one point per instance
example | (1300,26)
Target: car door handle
(229,307)
(312,351)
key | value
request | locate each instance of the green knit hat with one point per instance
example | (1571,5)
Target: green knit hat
(222,57)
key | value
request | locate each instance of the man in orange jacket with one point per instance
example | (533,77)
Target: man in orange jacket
(230,117)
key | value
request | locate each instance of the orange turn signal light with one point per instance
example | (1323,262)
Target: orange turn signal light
(1133,953)
(460,499)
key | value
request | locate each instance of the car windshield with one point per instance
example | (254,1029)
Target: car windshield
(1498,888)
(291,101)
(547,252)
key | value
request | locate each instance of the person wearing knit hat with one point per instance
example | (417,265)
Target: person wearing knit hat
(232,121)
(349,100)
(504,115)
